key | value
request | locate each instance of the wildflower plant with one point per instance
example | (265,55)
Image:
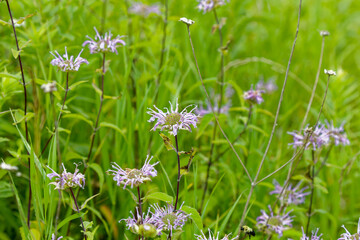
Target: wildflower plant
(209,5)
(314,235)
(291,195)
(104,44)
(67,179)
(348,236)
(254,96)
(213,236)
(274,223)
(67,64)
(141,224)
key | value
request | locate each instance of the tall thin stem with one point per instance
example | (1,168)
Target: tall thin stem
(275,121)
(212,108)
(78,210)
(99,112)
(312,177)
(140,208)
(179,176)
(163,43)
(25,108)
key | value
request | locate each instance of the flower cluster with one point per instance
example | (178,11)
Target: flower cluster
(267,87)
(160,219)
(67,179)
(209,5)
(144,10)
(49,87)
(314,235)
(66,63)
(290,195)
(8,167)
(274,223)
(322,135)
(133,177)
(173,120)
(103,44)
(213,236)
(330,72)
(53,237)
(348,236)
(254,96)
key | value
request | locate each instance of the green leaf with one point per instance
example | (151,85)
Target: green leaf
(69,218)
(113,126)
(5,190)
(96,167)
(159,196)
(15,53)
(8,75)
(87,200)
(2,22)
(194,215)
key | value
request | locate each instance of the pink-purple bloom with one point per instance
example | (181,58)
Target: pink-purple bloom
(291,195)
(213,236)
(254,96)
(66,63)
(348,236)
(338,135)
(141,225)
(53,237)
(133,177)
(67,179)
(144,10)
(314,235)
(167,219)
(103,44)
(274,223)
(318,138)
(173,120)
(268,87)
(209,5)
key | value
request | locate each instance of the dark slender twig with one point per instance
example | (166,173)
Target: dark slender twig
(99,112)
(163,43)
(275,122)
(140,208)
(25,109)
(78,210)
(312,177)
(179,176)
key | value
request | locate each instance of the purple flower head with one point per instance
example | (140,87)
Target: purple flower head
(133,177)
(274,223)
(141,225)
(53,237)
(314,235)
(348,236)
(209,5)
(66,63)
(254,96)
(104,44)
(172,120)
(268,87)
(168,220)
(338,135)
(213,236)
(201,111)
(67,179)
(144,10)
(318,138)
(290,195)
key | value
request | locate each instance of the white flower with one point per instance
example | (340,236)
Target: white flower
(49,87)
(8,167)
(324,33)
(330,72)
(187,21)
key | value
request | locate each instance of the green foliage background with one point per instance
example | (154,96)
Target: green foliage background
(260,35)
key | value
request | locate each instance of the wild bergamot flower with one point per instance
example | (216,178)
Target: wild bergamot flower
(213,236)
(67,179)
(314,235)
(66,63)
(104,44)
(172,120)
(349,236)
(318,138)
(167,219)
(53,237)
(254,96)
(144,10)
(274,223)
(290,195)
(133,177)
(338,135)
(141,225)
(208,5)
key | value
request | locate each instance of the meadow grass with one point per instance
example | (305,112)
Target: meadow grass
(257,41)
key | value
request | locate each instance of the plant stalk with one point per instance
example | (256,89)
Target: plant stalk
(78,210)
(179,176)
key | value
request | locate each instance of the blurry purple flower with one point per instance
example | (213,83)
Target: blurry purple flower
(49,87)
(268,87)
(254,96)
(67,179)
(213,236)
(201,111)
(338,135)
(314,235)
(144,10)
(133,177)
(103,44)
(53,237)
(172,120)
(208,5)
(274,223)
(67,64)
(141,225)
(349,236)
(168,220)
(290,195)
(319,137)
